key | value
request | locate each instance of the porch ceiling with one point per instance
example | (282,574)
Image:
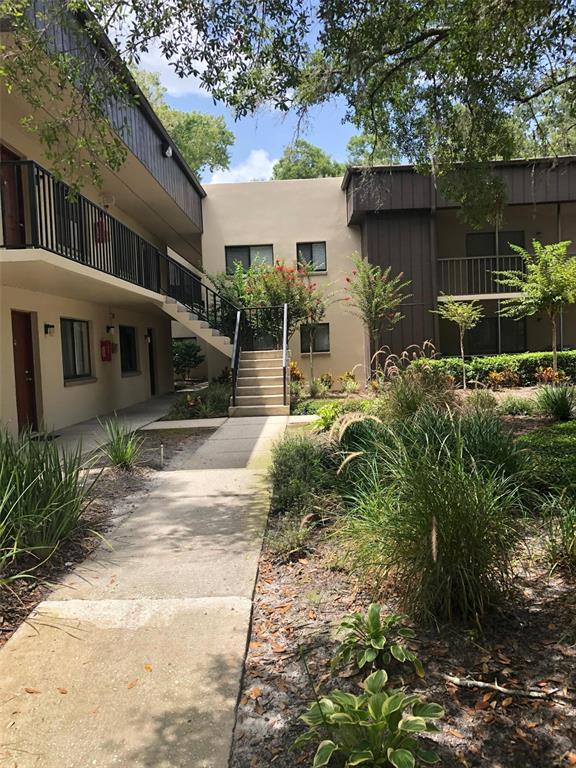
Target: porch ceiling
(44,272)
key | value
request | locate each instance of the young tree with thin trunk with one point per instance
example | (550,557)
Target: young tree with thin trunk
(547,284)
(375,297)
(466,315)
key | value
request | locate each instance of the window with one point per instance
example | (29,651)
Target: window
(313,254)
(128,349)
(248,255)
(321,338)
(75,349)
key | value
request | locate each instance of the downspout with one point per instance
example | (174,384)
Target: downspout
(434,256)
(558,239)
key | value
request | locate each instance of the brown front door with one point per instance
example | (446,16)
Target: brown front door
(12,200)
(24,370)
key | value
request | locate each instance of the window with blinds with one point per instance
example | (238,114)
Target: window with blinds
(313,254)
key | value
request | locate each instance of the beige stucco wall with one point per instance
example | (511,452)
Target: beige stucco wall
(60,405)
(284,213)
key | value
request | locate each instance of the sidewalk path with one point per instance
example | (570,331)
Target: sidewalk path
(136,659)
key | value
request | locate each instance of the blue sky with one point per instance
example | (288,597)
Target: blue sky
(260,138)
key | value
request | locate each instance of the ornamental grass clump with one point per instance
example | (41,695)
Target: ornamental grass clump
(439,509)
(557,401)
(43,493)
(123,445)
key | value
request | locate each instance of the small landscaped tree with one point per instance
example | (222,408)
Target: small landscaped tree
(186,355)
(547,284)
(466,315)
(375,297)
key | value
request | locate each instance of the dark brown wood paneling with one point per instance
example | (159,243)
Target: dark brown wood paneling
(402,240)
(401,188)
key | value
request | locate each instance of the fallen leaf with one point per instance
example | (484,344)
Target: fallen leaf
(571,757)
(147,667)
(507,701)
(132,683)
(63,691)
(277,648)
(255,693)
(31,690)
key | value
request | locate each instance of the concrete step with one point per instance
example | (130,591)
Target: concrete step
(260,362)
(260,354)
(259,381)
(259,410)
(277,399)
(260,389)
(275,370)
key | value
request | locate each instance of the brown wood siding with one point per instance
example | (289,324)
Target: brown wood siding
(402,240)
(135,128)
(390,189)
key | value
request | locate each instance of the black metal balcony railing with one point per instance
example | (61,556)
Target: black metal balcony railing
(474,275)
(38,211)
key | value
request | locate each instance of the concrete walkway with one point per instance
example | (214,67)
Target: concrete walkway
(136,659)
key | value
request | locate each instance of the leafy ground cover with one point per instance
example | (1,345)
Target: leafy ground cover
(554,449)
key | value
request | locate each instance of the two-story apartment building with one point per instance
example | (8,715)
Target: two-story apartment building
(395,217)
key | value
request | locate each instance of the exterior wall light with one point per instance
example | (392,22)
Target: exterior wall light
(48,329)
(110,328)
(167,150)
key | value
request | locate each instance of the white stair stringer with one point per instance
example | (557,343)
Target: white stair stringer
(260,385)
(199,328)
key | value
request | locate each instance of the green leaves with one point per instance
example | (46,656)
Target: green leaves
(366,637)
(401,758)
(323,754)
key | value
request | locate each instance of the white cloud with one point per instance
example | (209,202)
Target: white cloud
(154,61)
(258,166)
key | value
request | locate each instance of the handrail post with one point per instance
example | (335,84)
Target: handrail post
(32,196)
(236,355)
(285,352)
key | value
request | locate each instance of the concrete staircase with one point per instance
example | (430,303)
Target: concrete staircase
(260,389)
(199,328)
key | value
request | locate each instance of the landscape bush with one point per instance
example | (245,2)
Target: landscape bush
(560,516)
(416,388)
(438,507)
(557,401)
(43,494)
(302,470)
(186,355)
(122,446)
(481,399)
(210,402)
(513,405)
(526,365)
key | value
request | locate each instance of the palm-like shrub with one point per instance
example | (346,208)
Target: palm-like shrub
(43,493)
(122,446)
(557,401)
(419,387)
(512,405)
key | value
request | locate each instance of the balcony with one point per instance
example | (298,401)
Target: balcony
(474,275)
(38,211)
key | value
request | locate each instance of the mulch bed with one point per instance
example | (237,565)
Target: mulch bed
(114,494)
(532,645)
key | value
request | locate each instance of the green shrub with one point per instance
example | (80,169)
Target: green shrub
(289,539)
(372,640)
(186,355)
(317,388)
(552,450)
(210,402)
(123,445)
(560,514)
(312,407)
(557,401)
(438,512)
(416,388)
(43,493)
(481,399)
(513,405)
(378,728)
(526,365)
(301,471)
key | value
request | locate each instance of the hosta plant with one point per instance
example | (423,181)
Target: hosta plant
(372,640)
(378,728)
